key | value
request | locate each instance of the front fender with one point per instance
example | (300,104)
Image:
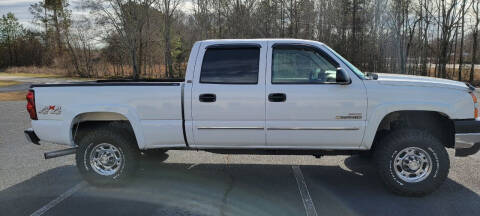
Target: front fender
(376,115)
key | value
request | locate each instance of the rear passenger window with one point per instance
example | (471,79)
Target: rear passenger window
(230,66)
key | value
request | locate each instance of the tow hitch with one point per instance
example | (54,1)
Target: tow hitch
(33,138)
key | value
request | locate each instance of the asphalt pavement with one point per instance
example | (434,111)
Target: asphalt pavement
(201,183)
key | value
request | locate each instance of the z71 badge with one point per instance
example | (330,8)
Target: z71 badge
(51,109)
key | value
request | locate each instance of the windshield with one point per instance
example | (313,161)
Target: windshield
(349,65)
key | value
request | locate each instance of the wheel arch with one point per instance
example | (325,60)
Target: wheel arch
(435,122)
(91,119)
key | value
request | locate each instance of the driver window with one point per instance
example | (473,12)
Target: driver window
(301,65)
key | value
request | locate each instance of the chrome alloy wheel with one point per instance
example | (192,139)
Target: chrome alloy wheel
(412,164)
(106,159)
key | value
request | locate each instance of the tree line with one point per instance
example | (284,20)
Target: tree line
(152,38)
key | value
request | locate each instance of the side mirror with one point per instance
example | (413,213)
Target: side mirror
(342,77)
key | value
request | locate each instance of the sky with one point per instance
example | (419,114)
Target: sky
(20,9)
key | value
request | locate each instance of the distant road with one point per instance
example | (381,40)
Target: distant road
(27,81)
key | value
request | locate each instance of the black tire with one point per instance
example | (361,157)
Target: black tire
(368,155)
(122,140)
(391,146)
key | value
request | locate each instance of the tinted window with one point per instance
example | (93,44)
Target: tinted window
(233,66)
(299,65)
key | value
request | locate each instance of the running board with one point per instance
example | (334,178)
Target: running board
(59,153)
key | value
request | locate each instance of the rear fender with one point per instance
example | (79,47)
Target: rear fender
(128,112)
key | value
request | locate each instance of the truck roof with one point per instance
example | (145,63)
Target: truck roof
(293,40)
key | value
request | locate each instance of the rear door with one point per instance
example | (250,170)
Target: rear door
(306,108)
(228,95)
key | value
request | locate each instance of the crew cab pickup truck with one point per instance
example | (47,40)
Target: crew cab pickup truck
(263,96)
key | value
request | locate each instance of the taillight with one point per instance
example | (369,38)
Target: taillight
(31,105)
(475,105)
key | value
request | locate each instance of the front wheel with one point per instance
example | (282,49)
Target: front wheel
(106,156)
(411,162)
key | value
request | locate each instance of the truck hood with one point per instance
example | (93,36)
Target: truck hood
(410,80)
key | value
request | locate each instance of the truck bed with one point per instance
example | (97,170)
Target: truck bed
(153,107)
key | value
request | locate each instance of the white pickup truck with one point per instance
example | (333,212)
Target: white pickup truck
(272,96)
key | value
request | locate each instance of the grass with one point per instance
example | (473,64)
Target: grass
(30,75)
(4,83)
(12,96)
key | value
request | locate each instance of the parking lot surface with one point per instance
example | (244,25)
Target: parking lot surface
(201,183)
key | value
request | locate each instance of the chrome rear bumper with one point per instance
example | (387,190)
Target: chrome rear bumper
(466,144)
(467,137)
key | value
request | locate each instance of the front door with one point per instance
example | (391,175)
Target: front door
(305,106)
(228,98)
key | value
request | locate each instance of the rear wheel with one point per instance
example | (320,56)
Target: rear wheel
(411,162)
(107,156)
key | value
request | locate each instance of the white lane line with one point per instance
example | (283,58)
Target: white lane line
(59,199)
(193,165)
(302,187)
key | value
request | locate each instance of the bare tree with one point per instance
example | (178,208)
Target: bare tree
(168,9)
(404,26)
(462,32)
(127,18)
(80,43)
(54,15)
(476,17)
(448,19)
(202,15)
(60,19)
